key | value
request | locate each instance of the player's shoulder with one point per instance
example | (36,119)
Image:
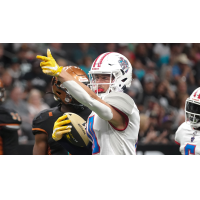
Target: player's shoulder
(184,127)
(9,116)
(44,115)
(182,130)
(121,101)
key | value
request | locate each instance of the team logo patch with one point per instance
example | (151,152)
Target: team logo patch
(124,64)
(192,139)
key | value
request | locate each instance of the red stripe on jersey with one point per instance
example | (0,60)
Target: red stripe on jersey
(177,142)
(126,120)
(99,65)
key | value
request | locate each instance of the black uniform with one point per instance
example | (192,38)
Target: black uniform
(44,122)
(9,125)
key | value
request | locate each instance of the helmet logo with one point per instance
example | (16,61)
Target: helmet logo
(195,94)
(124,64)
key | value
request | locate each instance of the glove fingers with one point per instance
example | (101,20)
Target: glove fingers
(49,53)
(62,123)
(62,128)
(63,132)
(61,118)
(45,64)
(44,58)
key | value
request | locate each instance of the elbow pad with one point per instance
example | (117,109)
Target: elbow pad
(103,111)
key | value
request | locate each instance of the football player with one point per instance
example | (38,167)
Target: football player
(113,125)
(44,121)
(9,125)
(188,133)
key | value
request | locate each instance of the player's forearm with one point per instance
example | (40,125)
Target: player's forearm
(65,76)
(85,96)
(39,149)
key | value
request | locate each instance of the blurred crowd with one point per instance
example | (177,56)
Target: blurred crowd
(164,75)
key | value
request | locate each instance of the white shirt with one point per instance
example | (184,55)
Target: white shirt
(106,139)
(189,139)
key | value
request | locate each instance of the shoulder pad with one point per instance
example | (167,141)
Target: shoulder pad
(42,116)
(122,102)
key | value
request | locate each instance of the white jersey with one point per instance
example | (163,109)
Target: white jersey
(106,139)
(188,139)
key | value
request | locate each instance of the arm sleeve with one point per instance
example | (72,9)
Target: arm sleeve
(74,150)
(84,98)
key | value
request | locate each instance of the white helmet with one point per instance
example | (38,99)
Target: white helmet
(192,109)
(117,66)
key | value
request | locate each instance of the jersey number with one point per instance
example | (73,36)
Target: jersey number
(15,116)
(190,149)
(92,136)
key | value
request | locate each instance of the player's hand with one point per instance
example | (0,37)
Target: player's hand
(59,129)
(49,65)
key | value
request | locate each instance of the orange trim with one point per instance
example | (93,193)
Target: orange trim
(49,150)
(39,129)
(9,124)
(1,146)
(50,114)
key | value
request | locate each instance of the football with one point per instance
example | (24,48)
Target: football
(78,135)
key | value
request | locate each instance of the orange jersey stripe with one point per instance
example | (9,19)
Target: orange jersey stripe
(50,114)
(49,150)
(39,129)
(10,124)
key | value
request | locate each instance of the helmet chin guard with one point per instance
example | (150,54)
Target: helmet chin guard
(117,66)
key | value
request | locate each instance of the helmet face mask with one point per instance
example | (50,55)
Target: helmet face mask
(60,93)
(192,111)
(117,66)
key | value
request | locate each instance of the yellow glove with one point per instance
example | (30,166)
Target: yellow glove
(59,129)
(49,65)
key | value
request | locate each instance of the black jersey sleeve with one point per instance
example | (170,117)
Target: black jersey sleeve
(9,119)
(40,122)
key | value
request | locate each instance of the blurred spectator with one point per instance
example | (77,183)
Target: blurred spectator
(15,102)
(164,94)
(181,70)
(138,69)
(36,78)
(35,103)
(14,69)
(87,63)
(82,51)
(62,62)
(161,49)
(148,91)
(135,91)
(7,81)
(124,50)
(180,118)
(180,94)
(111,47)
(141,53)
